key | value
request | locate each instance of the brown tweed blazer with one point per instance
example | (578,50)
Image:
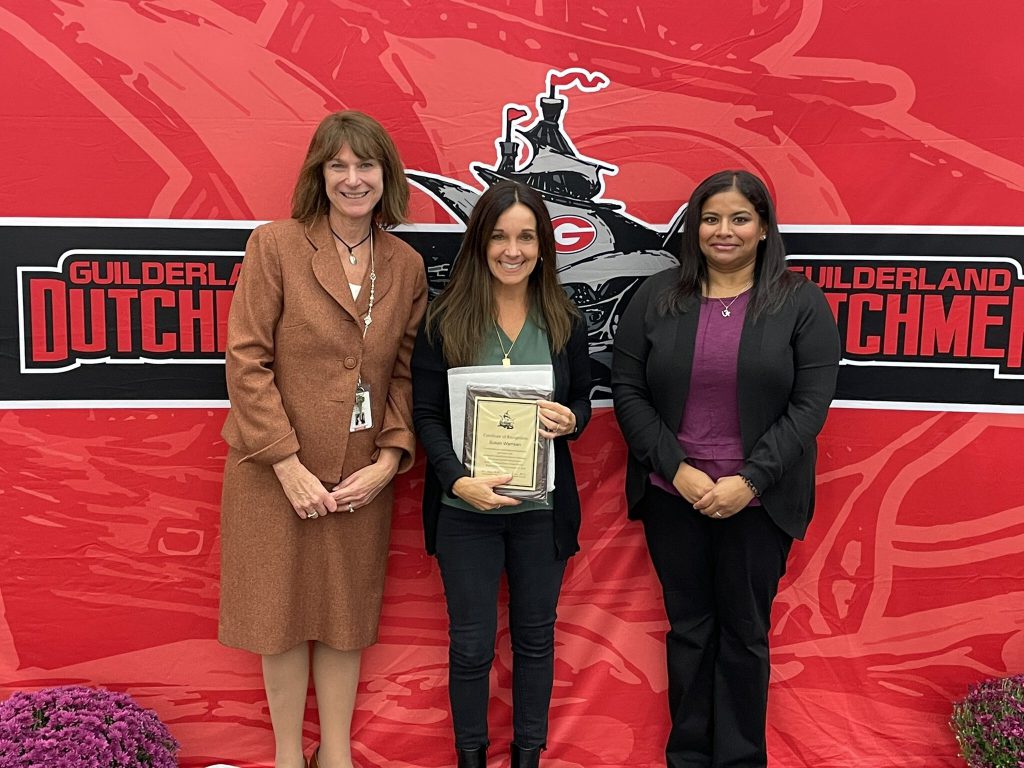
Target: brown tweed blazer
(296,350)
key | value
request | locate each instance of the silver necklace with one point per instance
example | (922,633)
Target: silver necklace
(373,284)
(369,310)
(725,307)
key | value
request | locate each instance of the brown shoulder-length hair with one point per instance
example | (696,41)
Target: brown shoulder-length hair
(773,282)
(369,141)
(465,309)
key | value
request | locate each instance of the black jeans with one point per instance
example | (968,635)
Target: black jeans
(719,578)
(472,550)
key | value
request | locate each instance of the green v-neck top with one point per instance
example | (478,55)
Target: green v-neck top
(531,347)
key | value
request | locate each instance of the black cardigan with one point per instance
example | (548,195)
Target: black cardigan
(431,417)
(786,378)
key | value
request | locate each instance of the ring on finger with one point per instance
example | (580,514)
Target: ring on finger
(350,507)
(312,515)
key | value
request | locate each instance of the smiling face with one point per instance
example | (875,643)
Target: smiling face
(354,184)
(512,249)
(730,230)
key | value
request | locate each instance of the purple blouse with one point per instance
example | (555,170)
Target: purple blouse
(709,433)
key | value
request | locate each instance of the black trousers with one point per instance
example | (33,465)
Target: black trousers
(472,550)
(719,578)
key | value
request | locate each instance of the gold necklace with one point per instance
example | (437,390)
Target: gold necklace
(505,352)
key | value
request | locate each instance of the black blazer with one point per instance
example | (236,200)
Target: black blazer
(786,378)
(432,420)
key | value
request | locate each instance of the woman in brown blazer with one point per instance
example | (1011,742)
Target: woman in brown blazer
(320,336)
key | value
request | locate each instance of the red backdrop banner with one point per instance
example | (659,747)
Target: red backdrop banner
(143,139)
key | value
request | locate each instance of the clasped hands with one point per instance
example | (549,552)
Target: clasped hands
(719,500)
(310,499)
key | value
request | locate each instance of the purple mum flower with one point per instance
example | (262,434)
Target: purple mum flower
(79,727)
(989,724)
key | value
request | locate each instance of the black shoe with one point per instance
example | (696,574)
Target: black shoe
(473,758)
(525,758)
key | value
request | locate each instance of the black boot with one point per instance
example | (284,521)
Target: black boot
(525,758)
(473,758)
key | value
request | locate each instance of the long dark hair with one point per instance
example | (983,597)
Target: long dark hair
(773,282)
(368,140)
(465,309)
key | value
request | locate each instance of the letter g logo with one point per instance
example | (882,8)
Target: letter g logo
(573,233)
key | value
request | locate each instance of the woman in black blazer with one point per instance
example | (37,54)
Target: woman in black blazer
(722,376)
(503,305)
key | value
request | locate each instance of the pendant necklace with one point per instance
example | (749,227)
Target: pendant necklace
(725,307)
(504,352)
(369,310)
(351,256)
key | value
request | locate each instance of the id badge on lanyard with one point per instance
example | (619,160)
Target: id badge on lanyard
(362,415)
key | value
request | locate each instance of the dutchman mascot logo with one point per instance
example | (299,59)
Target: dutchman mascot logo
(604,254)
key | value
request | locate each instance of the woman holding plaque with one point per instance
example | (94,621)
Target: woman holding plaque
(722,376)
(320,337)
(502,306)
